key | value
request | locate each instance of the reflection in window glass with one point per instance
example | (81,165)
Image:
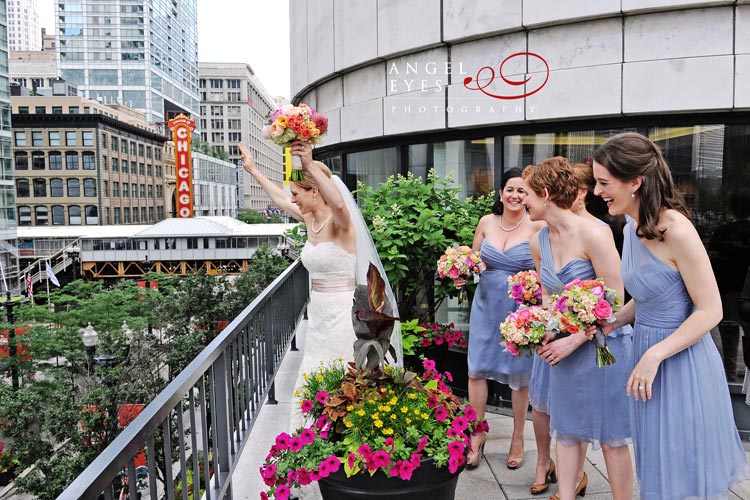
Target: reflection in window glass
(371,167)
(74,215)
(58,215)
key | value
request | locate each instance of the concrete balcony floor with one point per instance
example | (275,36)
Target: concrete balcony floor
(491,480)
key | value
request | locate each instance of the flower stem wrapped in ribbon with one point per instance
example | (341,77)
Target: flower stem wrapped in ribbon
(525,288)
(295,123)
(460,261)
(584,303)
(524,329)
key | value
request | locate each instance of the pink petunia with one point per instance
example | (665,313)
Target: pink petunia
(321,422)
(321,397)
(323,469)
(307,436)
(263,495)
(460,423)
(405,471)
(306,406)
(333,463)
(454,462)
(282,492)
(305,477)
(470,414)
(296,444)
(350,461)
(390,443)
(415,459)
(268,471)
(441,413)
(456,447)
(448,376)
(282,441)
(365,451)
(453,433)
(428,364)
(381,458)
(422,443)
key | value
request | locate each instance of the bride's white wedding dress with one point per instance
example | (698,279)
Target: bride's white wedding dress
(329,327)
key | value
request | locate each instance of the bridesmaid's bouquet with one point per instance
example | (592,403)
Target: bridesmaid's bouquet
(525,288)
(584,303)
(460,261)
(524,329)
(295,123)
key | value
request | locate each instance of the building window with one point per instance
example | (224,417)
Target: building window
(150,191)
(140,150)
(22,161)
(117,215)
(134,191)
(216,83)
(217,137)
(114,143)
(55,160)
(37,160)
(217,110)
(135,215)
(74,189)
(74,215)
(148,152)
(115,189)
(233,84)
(132,148)
(57,110)
(42,215)
(23,110)
(151,214)
(88,138)
(124,147)
(105,163)
(74,110)
(40,110)
(24,216)
(92,215)
(58,215)
(234,124)
(115,165)
(149,170)
(143,191)
(89,161)
(56,189)
(22,188)
(125,191)
(235,136)
(71,139)
(71,160)
(104,141)
(159,191)
(20,138)
(36,139)
(89,187)
(141,169)
(234,96)
(54,138)
(126,215)
(40,188)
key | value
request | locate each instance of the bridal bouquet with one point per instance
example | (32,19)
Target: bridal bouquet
(525,288)
(524,329)
(581,304)
(295,123)
(460,261)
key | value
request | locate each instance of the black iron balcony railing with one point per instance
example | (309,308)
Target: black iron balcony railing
(192,434)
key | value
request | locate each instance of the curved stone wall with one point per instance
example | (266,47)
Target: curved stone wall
(388,67)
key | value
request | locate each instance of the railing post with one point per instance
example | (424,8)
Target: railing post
(270,352)
(295,301)
(221,386)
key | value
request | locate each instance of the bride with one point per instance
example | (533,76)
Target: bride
(337,253)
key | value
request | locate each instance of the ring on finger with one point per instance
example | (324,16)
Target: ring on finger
(642,387)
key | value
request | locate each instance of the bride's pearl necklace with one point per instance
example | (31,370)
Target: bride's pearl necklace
(507,230)
(325,223)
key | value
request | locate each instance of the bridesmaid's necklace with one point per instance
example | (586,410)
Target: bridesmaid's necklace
(325,223)
(514,227)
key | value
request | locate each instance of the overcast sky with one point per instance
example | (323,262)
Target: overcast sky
(247,31)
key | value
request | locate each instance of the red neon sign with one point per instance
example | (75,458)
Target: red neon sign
(182,131)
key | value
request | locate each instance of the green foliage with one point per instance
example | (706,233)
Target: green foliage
(410,336)
(253,217)
(413,221)
(297,235)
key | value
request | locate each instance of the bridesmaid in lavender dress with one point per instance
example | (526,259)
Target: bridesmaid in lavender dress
(684,436)
(586,402)
(502,237)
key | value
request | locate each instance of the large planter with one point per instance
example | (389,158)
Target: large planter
(426,483)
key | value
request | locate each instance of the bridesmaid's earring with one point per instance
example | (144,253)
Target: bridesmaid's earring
(632,195)
(545,204)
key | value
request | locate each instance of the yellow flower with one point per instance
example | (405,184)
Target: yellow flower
(416,412)
(425,416)
(297,393)
(412,395)
(319,378)
(350,408)
(348,423)
(378,424)
(404,409)
(386,408)
(393,400)
(393,416)
(361,413)
(408,420)
(388,431)
(375,416)
(281,120)
(305,376)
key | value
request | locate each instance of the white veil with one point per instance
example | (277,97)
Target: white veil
(366,253)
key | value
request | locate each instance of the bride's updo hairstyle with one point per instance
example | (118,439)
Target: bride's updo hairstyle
(630,155)
(557,177)
(309,182)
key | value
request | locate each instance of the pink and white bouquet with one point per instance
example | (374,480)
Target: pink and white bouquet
(525,288)
(460,261)
(524,329)
(584,303)
(295,123)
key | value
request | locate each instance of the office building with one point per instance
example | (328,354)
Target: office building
(24,31)
(234,108)
(142,54)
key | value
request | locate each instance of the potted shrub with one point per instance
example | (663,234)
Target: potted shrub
(373,427)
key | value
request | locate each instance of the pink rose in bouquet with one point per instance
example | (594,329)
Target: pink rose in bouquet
(295,123)
(523,330)
(581,304)
(525,288)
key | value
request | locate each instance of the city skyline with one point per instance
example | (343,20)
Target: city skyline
(271,22)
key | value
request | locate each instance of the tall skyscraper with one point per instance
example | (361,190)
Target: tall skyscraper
(24,32)
(234,107)
(8,250)
(140,53)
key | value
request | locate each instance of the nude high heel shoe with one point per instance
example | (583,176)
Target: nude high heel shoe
(580,490)
(551,477)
